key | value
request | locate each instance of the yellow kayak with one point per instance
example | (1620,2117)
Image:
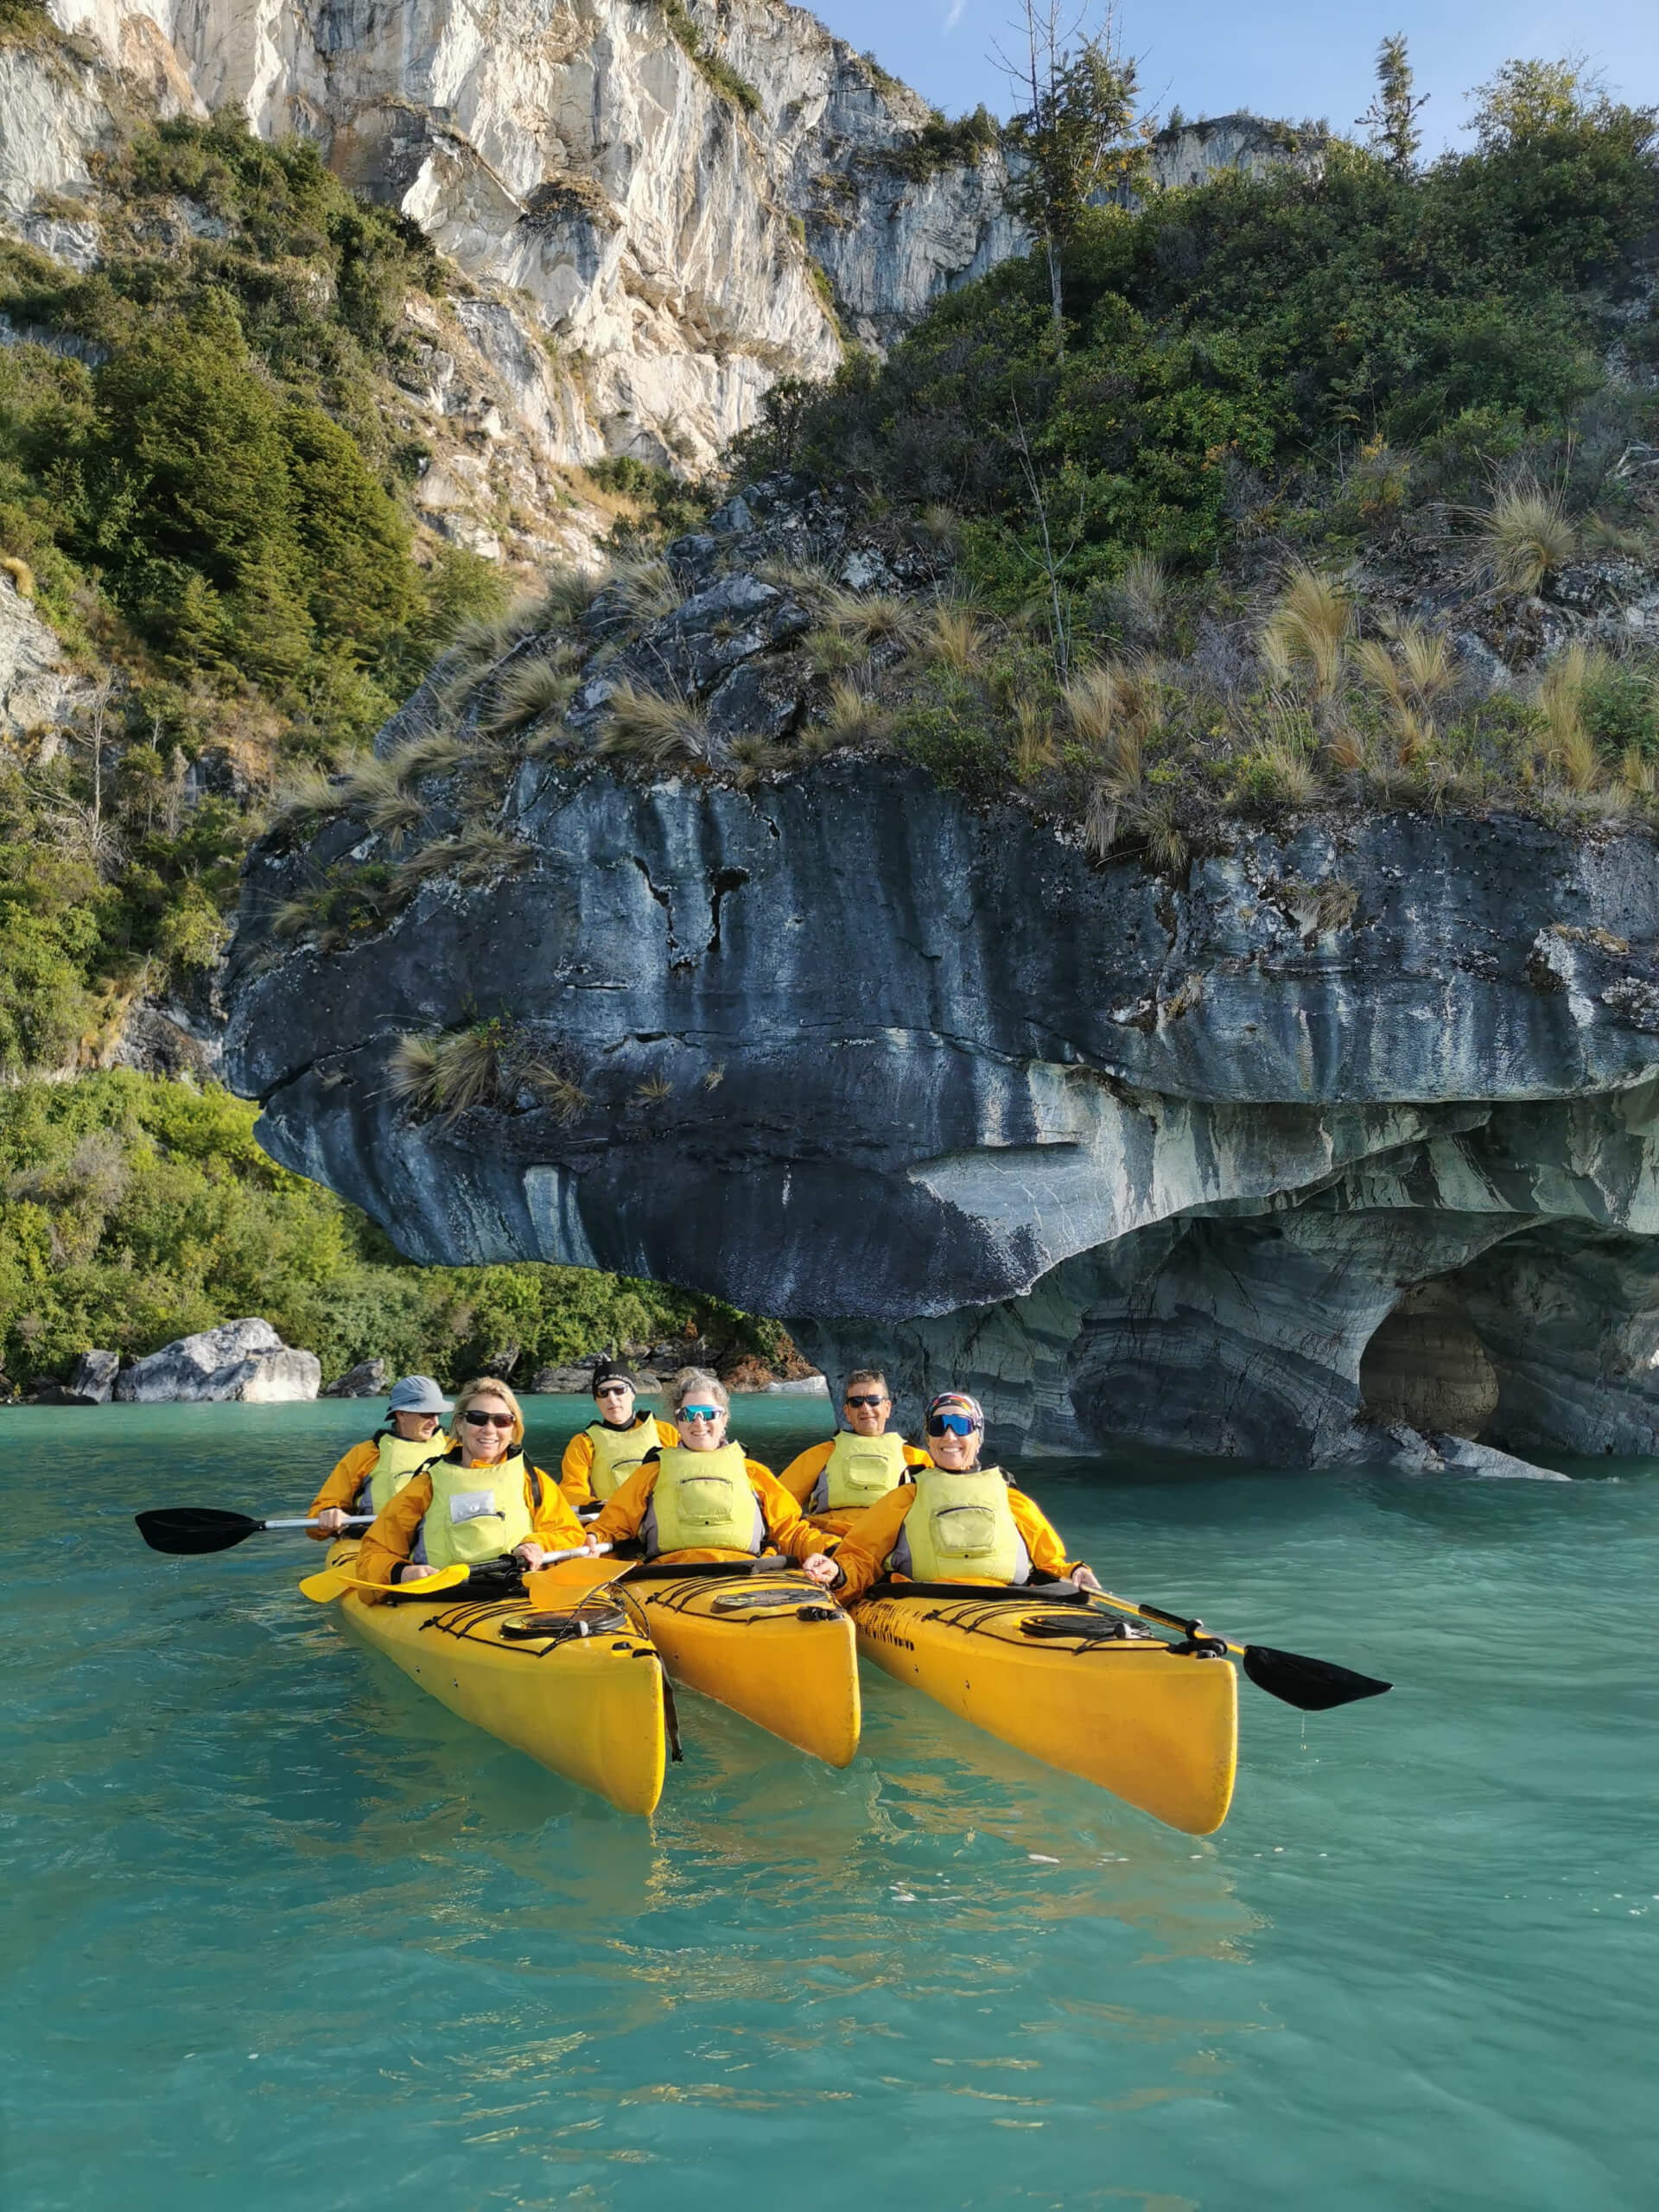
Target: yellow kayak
(589,1706)
(1156,1726)
(763,1641)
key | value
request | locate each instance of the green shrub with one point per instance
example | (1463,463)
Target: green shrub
(134,1211)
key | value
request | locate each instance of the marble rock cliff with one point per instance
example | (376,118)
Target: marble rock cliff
(664,232)
(1227,1165)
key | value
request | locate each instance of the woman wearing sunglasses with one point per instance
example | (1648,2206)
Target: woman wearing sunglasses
(478,1502)
(702,1497)
(957,1522)
(599,1459)
(835,1481)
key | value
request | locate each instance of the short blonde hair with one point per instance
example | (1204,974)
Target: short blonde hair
(487,1386)
(698,1382)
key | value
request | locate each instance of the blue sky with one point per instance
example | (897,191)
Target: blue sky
(1291,58)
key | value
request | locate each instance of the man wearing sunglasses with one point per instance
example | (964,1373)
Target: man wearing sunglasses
(835,1481)
(702,1497)
(957,1522)
(599,1459)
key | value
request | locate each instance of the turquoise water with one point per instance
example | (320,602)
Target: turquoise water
(281,1932)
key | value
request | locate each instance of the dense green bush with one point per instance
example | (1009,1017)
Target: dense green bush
(134,1211)
(1252,328)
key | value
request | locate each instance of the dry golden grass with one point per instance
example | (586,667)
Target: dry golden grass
(567,595)
(477,854)
(655,727)
(956,639)
(1307,631)
(649,589)
(308,799)
(23,576)
(539,685)
(1143,598)
(653,1091)
(1285,772)
(853,717)
(1525,536)
(438,754)
(1569,748)
(1638,774)
(867,620)
(1034,743)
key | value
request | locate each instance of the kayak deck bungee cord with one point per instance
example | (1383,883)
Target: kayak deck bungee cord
(1155,1723)
(756,1636)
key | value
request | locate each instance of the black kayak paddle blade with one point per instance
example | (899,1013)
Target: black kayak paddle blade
(1314,1685)
(188,1529)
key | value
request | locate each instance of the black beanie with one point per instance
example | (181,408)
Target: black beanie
(608,1370)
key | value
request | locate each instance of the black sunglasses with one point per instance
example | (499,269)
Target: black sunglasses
(489,1421)
(851,1401)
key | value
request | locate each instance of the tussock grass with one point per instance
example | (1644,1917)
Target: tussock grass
(438,754)
(475,854)
(1525,536)
(648,589)
(1142,600)
(1307,632)
(540,685)
(956,639)
(655,727)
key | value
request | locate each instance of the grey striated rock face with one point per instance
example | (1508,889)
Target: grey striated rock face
(246,1360)
(1142,1165)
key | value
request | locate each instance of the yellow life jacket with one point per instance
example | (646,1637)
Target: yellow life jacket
(961,1529)
(703,1501)
(617,1454)
(476,1513)
(860,1469)
(399,1456)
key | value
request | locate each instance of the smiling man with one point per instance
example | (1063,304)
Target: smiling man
(835,1481)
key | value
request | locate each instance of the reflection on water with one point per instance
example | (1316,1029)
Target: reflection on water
(317,1941)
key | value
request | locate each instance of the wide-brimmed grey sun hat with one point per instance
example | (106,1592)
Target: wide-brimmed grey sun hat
(417,1394)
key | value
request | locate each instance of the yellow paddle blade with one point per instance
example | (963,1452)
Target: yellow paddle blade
(322,1588)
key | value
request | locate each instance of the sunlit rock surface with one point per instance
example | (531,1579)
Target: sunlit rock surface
(1142,1165)
(653,236)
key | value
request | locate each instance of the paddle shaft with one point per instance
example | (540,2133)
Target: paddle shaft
(353,1521)
(1311,1685)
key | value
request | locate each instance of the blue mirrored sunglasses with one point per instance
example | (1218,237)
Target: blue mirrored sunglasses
(952,1425)
(699,1413)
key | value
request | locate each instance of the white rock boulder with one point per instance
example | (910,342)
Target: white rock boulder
(246,1360)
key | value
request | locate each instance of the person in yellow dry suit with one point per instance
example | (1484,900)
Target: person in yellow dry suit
(478,1502)
(372,1472)
(957,1522)
(835,1481)
(701,1498)
(599,1459)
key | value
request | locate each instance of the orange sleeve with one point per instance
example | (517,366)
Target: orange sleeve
(785,1531)
(915,1457)
(576,1469)
(624,1511)
(554,1523)
(1042,1539)
(389,1541)
(803,1471)
(863,1552)
(341,1488)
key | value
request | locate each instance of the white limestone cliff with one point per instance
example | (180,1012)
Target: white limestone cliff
(582,166)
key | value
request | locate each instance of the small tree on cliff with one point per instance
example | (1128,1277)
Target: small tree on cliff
(1077,134)
(1392,115)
